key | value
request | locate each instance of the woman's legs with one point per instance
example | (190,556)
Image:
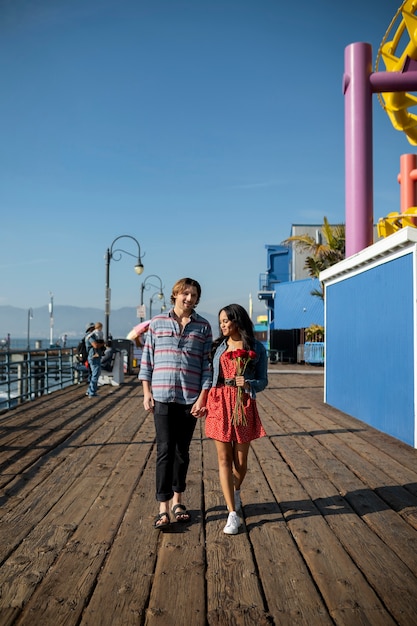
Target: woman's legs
(240,463)
(225,461)
(233,465)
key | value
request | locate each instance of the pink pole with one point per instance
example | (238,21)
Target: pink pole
(407,180)
(358,147)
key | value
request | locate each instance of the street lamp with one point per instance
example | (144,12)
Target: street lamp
(145,286)
(116,254)
(51,319)
(163,305)
(30,317)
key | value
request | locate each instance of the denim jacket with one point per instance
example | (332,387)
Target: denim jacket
(255,374)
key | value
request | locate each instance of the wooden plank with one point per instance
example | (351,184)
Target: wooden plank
(398,450)
(33,440)
(29,505)
(234,595)
(44,543)
(123,585)
(376,468)
(8,616)
(292,598)
(328,534)
(178,594)
(63,521)
(366,503)
(62,596)
(372,452)
(369,554)
(345,591)
(394,448)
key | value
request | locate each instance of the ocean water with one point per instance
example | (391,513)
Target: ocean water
(17,343)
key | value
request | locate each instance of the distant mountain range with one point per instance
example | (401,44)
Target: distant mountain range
(69,320)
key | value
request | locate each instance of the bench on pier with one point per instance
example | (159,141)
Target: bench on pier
(114,376)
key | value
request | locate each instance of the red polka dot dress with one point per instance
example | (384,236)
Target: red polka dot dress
(220,406)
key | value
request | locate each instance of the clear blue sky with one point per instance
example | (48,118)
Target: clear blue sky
(204,128)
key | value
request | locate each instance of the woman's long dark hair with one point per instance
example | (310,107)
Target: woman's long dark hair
(237,314)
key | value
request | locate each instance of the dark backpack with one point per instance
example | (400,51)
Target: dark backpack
(82,352)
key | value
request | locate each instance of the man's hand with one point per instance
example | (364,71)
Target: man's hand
(148,402)
(198,410)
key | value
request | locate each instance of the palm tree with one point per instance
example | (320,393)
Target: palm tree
(322,255)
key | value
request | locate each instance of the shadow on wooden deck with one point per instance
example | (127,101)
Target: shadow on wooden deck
(329,510)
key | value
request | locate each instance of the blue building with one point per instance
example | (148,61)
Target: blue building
(371,335)
(286,289)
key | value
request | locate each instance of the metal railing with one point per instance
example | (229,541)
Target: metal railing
(28,374)
(264,282)
(314,352)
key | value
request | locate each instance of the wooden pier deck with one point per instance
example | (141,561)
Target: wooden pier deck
(329,509)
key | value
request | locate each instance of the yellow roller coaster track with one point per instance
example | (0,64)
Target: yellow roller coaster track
(397,104)
(395,221)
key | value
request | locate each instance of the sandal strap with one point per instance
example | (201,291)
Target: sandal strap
(181,507)
(159,518)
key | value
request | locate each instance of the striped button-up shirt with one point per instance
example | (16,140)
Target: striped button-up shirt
(177,363)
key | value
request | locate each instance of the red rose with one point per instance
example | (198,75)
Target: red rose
(252,355)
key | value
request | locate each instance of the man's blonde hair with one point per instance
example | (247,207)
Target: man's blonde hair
(181,285)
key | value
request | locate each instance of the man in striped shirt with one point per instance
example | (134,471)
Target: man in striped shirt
(176,377)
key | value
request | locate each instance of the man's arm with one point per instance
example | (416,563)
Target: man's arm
(148,401)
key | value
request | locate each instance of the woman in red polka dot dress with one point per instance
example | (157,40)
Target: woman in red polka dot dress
(239,364)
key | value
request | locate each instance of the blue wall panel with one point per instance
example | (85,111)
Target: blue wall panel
(369,329)
(295,307)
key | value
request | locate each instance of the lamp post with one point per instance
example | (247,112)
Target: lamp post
(116,255)
(163,305)
(51,319)
(30,317)
(144,286)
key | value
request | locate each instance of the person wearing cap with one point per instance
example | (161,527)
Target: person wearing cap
(88,329)
(94,342)
(82,366)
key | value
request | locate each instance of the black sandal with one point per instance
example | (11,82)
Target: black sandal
(159,519)
(180,513)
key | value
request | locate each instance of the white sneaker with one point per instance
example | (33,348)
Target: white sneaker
(233,523)
(238,503)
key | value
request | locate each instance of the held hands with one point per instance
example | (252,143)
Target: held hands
(198,410)
(199,407)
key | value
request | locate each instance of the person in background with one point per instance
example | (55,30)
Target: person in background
(107,358)
(94,342)
(99,338)
(239,364)
(175,375)
(81,357)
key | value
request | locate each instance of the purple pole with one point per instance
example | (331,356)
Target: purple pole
(358,147)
